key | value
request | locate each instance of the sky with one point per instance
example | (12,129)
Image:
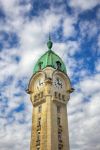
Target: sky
(74,26)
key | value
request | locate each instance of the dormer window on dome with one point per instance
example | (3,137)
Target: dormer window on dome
(40,65)
(58,65)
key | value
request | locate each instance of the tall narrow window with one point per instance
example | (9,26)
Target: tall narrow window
(39,122)
(40,65)
(38,140)
(59,137)
(59,96)
(59,148)
(59,121)
(63,97)
(38,136)
(39,109)
(58,109)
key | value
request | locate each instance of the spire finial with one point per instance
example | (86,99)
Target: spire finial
(49,43)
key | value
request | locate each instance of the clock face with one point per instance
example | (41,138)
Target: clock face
(58,82)
(39,83)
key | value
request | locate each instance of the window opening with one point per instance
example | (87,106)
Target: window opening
(59,138)
(39,109)
(38,136)
(55,94)
(40,65)
(59,96)
(63,97)
(39,122)
(59,121)
(58,64)
(58,109)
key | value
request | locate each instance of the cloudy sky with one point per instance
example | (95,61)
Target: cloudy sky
(74,26)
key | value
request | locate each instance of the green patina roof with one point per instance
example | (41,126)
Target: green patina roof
(49,59)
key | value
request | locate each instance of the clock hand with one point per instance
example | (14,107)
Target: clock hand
(59,83)
(57,80)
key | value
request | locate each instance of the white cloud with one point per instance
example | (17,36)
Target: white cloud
(19,134)
(84,4)
(94,105)
(12,8)
(32,36)
(72,47)
(98,14)
(90,85)
(85,29)
(68,26)
(84,115)
(97,65)
(98,42)
(66,49)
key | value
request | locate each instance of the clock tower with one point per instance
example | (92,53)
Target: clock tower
(49,89)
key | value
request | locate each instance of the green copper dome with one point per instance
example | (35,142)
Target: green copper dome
(49,59)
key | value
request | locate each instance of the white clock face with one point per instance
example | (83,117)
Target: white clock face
(58,82)
(39,83)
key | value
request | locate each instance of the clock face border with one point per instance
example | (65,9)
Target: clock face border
(58,82)
(64,78)
(39,83)
(34,79)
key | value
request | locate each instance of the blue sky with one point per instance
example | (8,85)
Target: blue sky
(74,26)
